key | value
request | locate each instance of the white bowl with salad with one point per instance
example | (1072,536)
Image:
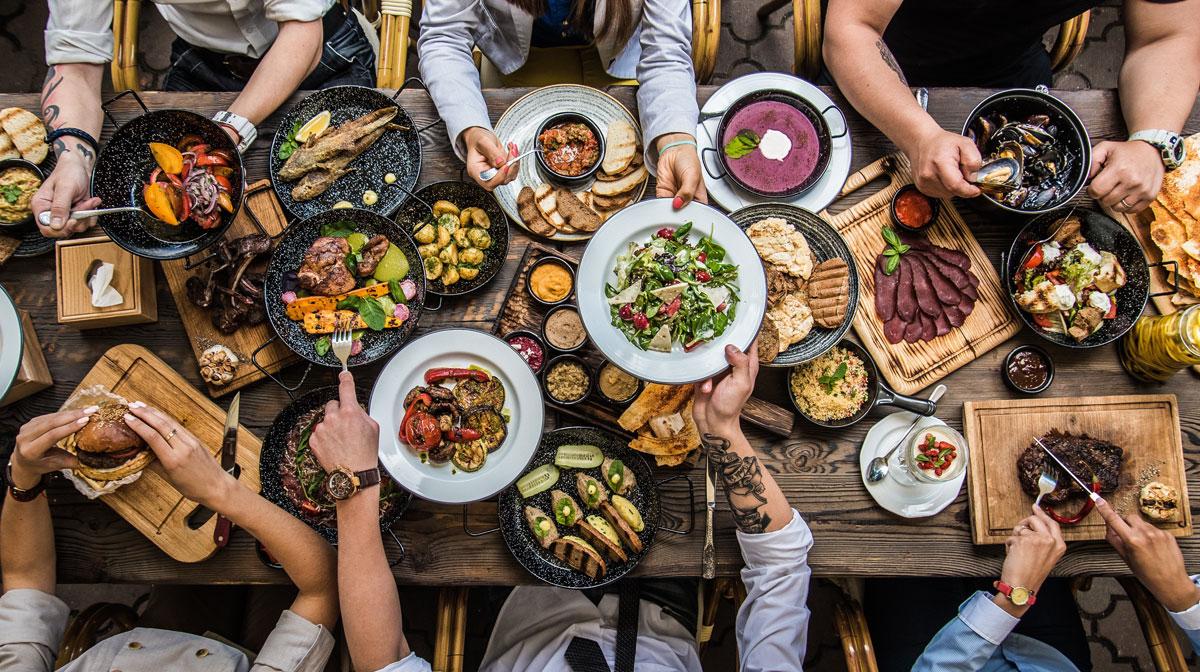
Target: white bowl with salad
(663,291)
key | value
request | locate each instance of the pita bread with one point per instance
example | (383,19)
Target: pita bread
(527,208)
(682,443)
(27,132)
(624,185)
(7,149)
(655,400)
(620,146)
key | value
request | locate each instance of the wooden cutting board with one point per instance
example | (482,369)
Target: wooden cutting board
(261,213)
(911,367)
(997,431)
(151,504)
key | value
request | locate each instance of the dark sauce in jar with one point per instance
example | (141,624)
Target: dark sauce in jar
(529,350)
(1028,370)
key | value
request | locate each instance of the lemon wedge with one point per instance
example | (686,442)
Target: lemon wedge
(313,127)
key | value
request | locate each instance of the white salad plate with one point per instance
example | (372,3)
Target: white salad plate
(731,197)
(12,344)
(919,500)
(458,348)
(636,224)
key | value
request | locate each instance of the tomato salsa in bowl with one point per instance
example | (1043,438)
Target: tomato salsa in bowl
(572,148)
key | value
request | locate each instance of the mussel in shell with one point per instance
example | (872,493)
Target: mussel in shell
(1025,164)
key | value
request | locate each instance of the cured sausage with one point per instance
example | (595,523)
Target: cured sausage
(927,301)
(885,292)
(906,298)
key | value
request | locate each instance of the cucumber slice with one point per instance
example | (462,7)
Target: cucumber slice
(578,457)
(537,481)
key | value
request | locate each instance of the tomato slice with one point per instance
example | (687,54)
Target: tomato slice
(1035,258)
(1042,321)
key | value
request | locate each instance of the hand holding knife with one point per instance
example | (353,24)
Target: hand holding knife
(229,463)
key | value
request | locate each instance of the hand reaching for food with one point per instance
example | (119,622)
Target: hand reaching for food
(1032,551)
(347,437)
(484,151)
(679,171)
(36,452)
(718,401)
(1152,555)
(941,162)
(65,190)
(190,466)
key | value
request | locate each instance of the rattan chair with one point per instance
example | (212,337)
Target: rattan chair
(393,20)
(806,20)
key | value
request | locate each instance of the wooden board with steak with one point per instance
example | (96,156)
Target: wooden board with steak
(931,291)
(1085,456)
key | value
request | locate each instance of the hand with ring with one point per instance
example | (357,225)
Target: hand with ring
(190,466)
(1126,176)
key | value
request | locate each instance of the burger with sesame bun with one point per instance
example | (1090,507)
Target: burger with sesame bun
(106,447)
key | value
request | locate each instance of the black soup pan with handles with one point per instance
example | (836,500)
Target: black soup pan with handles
(878,394)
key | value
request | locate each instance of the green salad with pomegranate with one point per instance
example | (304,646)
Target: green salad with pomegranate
(670,290)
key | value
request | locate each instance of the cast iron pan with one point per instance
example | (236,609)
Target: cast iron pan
(878,394)
(274,449)
(285,259)
(825,243)
(397,152)
(525,547)
(824,139)
(464,195)
(125,164)
(1104,234)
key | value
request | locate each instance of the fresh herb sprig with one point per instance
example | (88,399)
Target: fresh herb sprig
(830,379)
(12,193)
(289,145)
(368,308)
(894,250)
(745,142)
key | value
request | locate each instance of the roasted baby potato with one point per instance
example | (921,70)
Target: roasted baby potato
(468,272)
(445,208)
(460,237)
(427,251)
(426,233)
(450,275)
(479,238)
(433,268)
(449,254)
(478,216)
(471,255)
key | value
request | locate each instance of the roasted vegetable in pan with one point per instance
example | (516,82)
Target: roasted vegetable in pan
(453,242)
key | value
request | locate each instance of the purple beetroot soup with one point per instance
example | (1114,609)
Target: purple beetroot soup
(772,175)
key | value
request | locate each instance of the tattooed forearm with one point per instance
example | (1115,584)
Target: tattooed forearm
(743,481)
(890,60)
(50,113)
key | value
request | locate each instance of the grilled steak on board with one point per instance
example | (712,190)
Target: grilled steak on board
(1084,455)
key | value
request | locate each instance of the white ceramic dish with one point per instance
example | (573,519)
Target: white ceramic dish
(731,197)
(637,224)
(12,342)
(443,483)
(910,501)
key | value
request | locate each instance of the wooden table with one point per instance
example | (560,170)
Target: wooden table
(817,469)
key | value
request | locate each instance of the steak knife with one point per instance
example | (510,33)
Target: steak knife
(1092,495)
(201,515)
(708,566)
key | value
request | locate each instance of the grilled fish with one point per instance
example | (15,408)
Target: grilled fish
(320,161)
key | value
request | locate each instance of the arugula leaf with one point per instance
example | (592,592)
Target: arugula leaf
(831,379)
(339,229)
(289,145)
(745,142)
(322,346)
(12,193)
(370,310)
(682,232)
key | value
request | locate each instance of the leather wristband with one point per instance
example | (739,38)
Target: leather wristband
(75,133)
(19,494)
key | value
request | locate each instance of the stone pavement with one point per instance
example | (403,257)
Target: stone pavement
(745,47)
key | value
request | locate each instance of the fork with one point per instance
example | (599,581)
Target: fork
(342,342)
(1046,484)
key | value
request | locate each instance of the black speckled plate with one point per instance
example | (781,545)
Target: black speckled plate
(288,254)
(825,243)
(525,547)
(397,152)
(125,164)
(274,448)
(1105,235)
(464,195)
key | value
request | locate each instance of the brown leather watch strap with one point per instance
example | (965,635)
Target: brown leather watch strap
(32,493)
(367,477)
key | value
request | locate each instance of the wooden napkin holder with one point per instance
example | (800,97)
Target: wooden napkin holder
(133,277)
(34,374)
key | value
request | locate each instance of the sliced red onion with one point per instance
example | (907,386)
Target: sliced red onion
(288,297)
(409,288)
(401,312)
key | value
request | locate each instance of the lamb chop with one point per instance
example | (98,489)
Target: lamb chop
(323,270)
(372,251)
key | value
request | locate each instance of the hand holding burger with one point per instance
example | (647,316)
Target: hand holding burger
(189,465)
(36,453)
(106,448)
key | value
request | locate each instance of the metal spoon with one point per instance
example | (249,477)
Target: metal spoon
(877,469)
(44,218)
(491,173)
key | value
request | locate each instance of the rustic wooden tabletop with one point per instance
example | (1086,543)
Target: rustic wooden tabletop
(818,469)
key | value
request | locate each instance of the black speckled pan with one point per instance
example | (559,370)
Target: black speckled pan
(288,254)
(825,243)
(1105,235)
(397,152)
(125,164)
(275,447)
(464,195)
(525,547)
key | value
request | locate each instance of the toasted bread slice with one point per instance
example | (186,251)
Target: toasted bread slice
(580,555)
(636,163)
(547,203)
(27,132)
(612,202)
(628,537)
(622,186)
(7,149)
(620,146)
(527,208)
(597,539)
(576,213)
(828,292)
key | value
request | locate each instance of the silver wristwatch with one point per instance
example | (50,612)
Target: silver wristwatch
(245,130)
(1168,143)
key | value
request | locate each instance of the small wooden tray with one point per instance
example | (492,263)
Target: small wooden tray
(133,277)
(911,367)
(261,213)
(151,504)
(520,312)
(997,431)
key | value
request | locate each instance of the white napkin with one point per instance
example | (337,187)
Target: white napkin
(103,293)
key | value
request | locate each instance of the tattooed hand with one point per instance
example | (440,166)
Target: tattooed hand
(718,402)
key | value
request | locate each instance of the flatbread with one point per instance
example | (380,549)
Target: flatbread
(8,247)
(793,318)
(655,400)
(27,132)
(7,149)
(620,146)
(527,208)
(611,202)
(779,243)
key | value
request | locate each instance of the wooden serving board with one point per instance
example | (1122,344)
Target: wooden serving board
(151,504)
(997,431)
(520,312)
(261,213)
(911,367)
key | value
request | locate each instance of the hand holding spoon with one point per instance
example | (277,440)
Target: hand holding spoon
(491,173)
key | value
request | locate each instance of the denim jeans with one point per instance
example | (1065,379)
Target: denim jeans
(346,59)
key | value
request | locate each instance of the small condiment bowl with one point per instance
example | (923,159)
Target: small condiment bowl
(637,390)
(536,339)
(30,166)
(529,280)
(1012,385)
(591,376)
(934,207)
(546,321)
(570,181)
